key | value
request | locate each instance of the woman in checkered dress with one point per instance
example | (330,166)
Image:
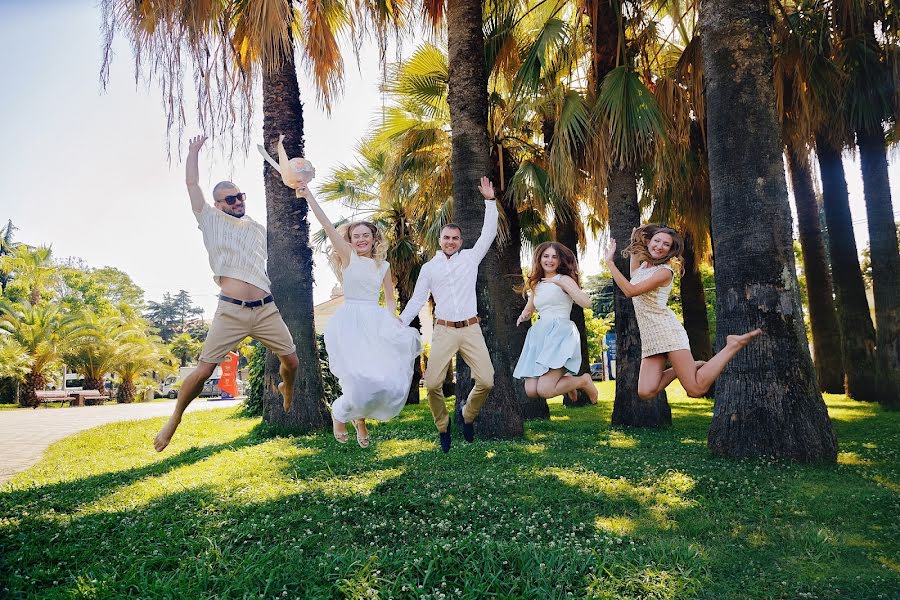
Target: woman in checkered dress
(652,251)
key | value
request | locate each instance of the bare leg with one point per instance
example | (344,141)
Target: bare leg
(589,388)
(668,376)
(697,381)
(651,376)
(556,382)
(190,389)
(288,372)
(531,387)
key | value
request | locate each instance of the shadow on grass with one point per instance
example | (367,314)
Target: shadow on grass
(70,495)
(576,507)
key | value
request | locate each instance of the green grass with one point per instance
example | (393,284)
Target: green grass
(576,509)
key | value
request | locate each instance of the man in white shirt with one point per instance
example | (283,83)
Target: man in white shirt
(237,255)
(450,277)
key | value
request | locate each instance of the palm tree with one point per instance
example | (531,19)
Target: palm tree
(470,160)
(44,333)
(869,57)
(139,356)
(810,58)
(629,125)
(857,331)
(807,80)
(15,362)
(552,50)
(767,399)
(7,247)
(33,267)
(99,345)
(229,44)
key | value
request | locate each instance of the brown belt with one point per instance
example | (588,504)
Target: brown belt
(457,324)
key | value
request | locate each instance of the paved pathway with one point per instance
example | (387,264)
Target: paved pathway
(26,433)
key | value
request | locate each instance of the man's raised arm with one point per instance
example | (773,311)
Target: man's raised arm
(192,174)
(489,227)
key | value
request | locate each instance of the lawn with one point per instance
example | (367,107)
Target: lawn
(576,509)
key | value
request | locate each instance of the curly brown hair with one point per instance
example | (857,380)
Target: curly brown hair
(641,238)
(568,265)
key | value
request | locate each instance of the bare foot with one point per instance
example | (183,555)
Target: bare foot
(362,433)
(285,400)
(590,389)
(742,340)
(164,436)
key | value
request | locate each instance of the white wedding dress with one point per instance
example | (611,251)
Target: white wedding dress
(369,350)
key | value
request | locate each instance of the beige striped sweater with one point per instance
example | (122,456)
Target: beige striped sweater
(236,247)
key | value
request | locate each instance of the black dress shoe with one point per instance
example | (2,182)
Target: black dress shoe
(444,437)
(468,431)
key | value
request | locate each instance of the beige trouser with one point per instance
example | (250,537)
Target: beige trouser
(445,342)
(232,323)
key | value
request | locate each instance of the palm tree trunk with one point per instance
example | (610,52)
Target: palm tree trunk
(885,263)
(501,416)
(628,408)
(125,393)
(693,304)
(33,382)
(826,334)
(857,332)
(509,304)
(290,259)
(567,235)
(624,214)
(767,399)
(93,383)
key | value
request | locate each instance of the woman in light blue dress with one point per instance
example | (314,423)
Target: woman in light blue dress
(551,357)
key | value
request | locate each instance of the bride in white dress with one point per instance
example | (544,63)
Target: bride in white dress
(369,350)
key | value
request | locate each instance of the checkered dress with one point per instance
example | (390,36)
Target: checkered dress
(661,331)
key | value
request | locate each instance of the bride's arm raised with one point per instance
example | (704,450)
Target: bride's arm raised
(340,245)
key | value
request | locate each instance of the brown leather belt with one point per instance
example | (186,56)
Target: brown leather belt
(247,303)
(457,324)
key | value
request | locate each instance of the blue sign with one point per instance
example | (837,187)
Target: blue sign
(610,342)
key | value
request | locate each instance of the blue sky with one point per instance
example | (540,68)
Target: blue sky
(86,170)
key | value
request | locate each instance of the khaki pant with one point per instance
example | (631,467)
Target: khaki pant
(445,342)
(232,323)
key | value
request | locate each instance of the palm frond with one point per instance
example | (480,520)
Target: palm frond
(627,112)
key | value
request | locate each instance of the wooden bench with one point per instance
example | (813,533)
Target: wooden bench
(48,396)
(88,398)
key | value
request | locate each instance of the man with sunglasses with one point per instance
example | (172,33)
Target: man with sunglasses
(237,254)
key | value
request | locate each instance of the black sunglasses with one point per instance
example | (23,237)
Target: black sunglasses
(230,200)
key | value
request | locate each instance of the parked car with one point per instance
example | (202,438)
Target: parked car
(597,371)
(210,388)
(169,387)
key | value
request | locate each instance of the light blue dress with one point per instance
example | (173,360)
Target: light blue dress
(553,341)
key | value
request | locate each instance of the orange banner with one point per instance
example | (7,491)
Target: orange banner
(228,380)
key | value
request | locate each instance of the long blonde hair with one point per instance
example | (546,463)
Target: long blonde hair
(379,246)
(641,238)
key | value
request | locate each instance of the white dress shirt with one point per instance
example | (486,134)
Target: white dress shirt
(452,280)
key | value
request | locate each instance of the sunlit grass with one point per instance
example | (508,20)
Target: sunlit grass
(576,509)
